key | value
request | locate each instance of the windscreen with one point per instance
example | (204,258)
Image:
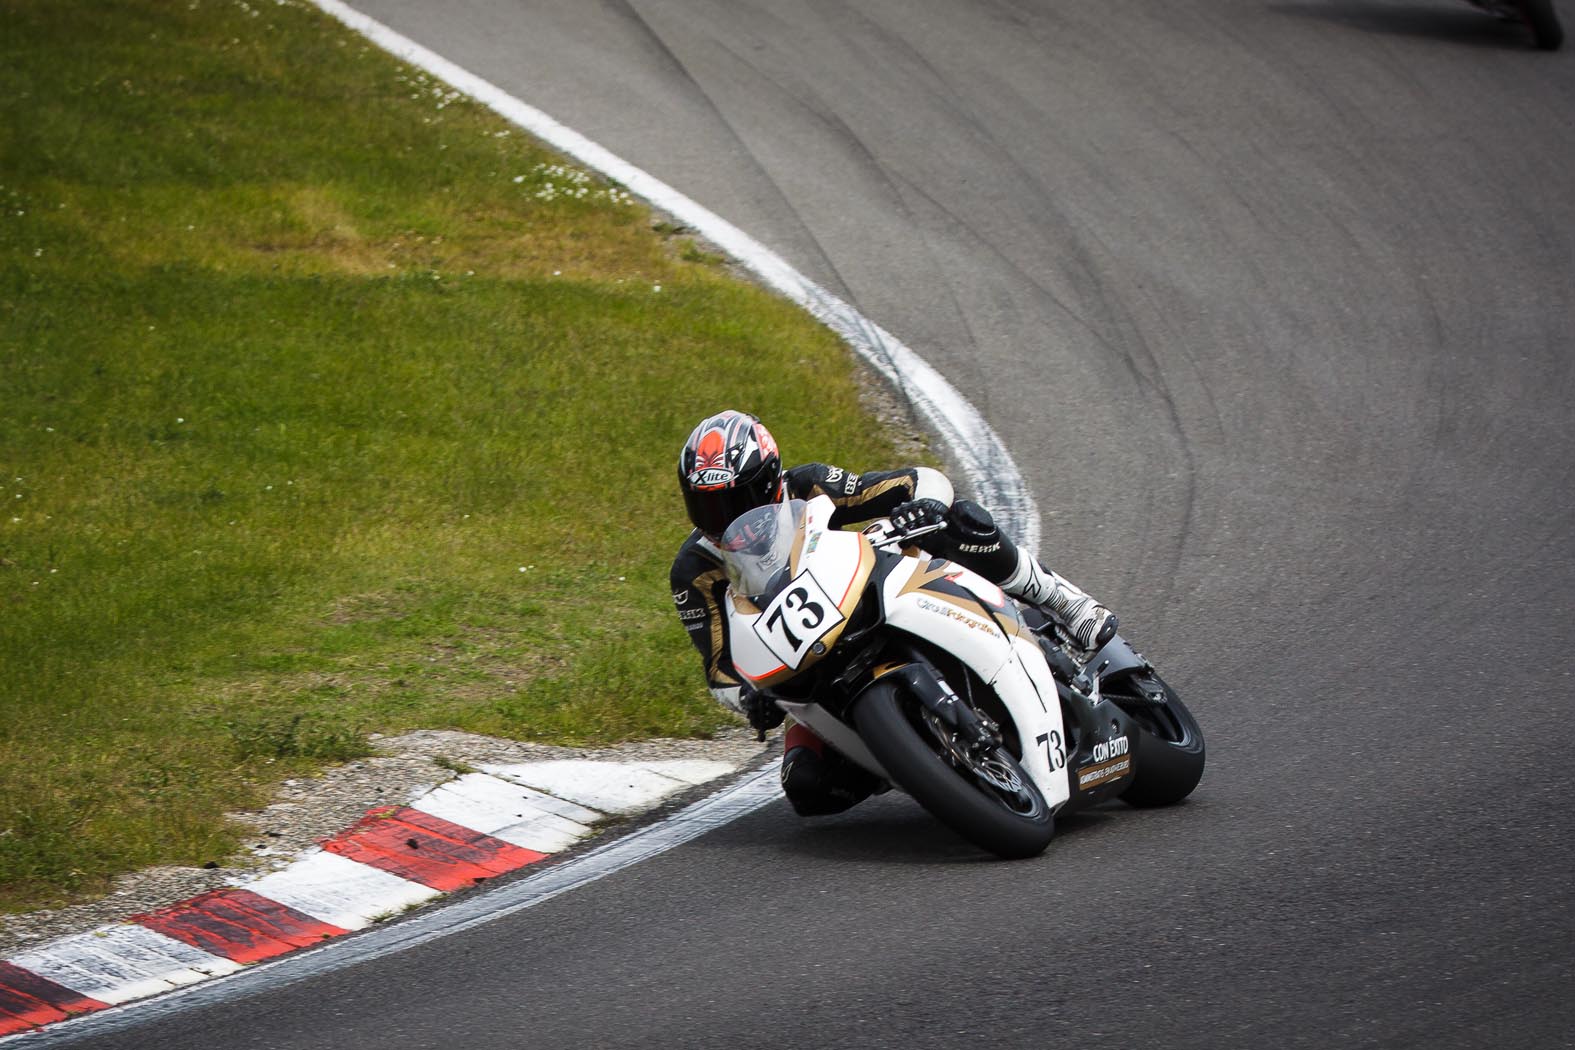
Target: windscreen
(757,547)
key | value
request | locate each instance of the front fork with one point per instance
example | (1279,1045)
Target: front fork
(972,735)
(925,684)
(970,731)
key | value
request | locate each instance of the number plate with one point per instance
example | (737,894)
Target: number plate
(796,619)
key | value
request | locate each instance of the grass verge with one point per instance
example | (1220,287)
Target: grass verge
(331,405)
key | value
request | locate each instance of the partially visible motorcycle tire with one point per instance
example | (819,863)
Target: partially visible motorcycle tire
(1544,22)
(1168,754)
(978,815)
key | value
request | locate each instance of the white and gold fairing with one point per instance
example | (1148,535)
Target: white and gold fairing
(970,617)
(829,570)
(930,598)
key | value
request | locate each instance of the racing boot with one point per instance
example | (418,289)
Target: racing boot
(816,780)
(1090,624)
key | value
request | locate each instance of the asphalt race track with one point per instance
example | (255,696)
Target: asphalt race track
(1274,302)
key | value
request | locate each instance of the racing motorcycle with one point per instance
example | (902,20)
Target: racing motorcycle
(1537,14)
(933,679)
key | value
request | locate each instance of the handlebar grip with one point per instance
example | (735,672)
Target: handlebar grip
(879,534)
(923,530)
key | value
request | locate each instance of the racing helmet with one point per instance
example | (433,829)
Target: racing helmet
(729,465)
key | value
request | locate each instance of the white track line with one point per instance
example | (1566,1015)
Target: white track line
(726,806)
(973,444)
(536,805)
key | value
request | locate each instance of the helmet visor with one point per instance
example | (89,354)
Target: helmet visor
(713,511)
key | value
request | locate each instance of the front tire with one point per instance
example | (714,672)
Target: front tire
(1013,823)
(1168,754)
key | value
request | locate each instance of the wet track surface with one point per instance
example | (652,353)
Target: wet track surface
(1274,303)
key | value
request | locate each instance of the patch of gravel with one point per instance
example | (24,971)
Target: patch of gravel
(307,811)
(896,416)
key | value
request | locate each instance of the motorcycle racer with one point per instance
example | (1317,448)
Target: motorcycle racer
(729,465)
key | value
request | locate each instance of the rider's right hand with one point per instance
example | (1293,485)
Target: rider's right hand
(919,514)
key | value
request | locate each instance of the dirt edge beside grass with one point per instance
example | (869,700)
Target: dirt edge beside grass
(309,809)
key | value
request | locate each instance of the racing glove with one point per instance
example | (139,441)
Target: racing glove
(762,711)
(919,514)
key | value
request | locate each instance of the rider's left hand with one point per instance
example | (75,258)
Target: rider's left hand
(761,710)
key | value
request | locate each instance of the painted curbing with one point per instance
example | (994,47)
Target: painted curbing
(452,837)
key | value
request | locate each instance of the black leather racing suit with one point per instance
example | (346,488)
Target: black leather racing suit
(699,582)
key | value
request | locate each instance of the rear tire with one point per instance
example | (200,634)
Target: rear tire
(977,813)
(1168,754)
(1544,22)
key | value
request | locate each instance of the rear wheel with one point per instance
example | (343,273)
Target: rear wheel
(1168,753)
(986,797)
(1544,22)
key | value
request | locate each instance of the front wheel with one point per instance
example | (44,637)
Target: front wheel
(1168,755)
(987,799)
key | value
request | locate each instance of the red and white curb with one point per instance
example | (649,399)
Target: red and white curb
(452,837)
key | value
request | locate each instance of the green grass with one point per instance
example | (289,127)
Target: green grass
(323,415)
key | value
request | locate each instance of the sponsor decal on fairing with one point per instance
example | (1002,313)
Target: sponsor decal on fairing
(953,613)
(1111,762)
(1108,749)
(1090,777)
